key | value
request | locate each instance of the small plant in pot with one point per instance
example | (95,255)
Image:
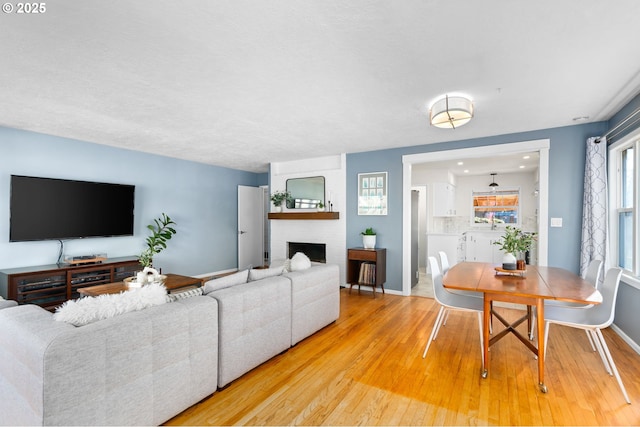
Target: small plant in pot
(280,197)
(368,238)
(320,207)
(509,243)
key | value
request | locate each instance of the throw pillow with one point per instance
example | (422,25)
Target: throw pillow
(226,281)
(263,273)
(91,309)
(300,262)
(185,294)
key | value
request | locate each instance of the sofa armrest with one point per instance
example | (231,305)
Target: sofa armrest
(26,332)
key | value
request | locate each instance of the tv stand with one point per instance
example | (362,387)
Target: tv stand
(50,285)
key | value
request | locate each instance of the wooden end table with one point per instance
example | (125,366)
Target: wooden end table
(173,282)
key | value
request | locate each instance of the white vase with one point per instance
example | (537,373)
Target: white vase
(277,209)
(509,261)
(369,241)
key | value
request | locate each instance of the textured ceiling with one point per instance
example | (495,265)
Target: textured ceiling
(244,83)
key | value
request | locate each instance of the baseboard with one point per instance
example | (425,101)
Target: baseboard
(626,338)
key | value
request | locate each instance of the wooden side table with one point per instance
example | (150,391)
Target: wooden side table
(367,267)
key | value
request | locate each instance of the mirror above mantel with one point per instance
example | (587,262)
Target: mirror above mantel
(306,193)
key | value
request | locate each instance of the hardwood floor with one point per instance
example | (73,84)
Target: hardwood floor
(367,369)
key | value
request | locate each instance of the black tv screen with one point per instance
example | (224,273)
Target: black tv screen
(47,208)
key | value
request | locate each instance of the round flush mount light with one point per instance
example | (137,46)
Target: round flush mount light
(451,112)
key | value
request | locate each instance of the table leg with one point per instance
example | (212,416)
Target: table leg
(485,335)
(540,326)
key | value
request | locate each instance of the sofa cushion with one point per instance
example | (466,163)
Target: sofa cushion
(300,262)
(226,281)
(263,273)
(91,309)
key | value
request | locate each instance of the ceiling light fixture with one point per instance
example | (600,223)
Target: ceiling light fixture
(451,112)
(493,184)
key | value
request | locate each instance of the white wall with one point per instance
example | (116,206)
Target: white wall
(330,232)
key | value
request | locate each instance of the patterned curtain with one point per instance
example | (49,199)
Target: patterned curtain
(595,235)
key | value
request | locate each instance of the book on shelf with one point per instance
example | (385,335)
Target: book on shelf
(367,274)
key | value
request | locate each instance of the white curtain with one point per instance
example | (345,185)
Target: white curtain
(595,235)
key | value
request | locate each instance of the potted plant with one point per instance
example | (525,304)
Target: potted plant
(320,207)
(524,244)
(278,198)
(368,238)
(161,231)
(509,243)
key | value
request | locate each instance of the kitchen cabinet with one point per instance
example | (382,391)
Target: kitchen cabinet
(479,246)
(444,199)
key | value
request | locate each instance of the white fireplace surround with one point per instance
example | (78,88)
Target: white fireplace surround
(329,232)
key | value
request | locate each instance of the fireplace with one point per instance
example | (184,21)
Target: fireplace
(315,251)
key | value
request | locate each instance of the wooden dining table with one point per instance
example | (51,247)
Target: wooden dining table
(531,287)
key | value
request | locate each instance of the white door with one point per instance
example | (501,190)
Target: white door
(250,232)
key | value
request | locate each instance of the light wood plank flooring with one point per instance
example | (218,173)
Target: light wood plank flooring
(367,369)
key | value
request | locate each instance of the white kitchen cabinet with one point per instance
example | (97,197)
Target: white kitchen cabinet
(479,246)
(444,199)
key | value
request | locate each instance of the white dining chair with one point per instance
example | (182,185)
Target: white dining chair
(444,262)
(592,319)
(451,301)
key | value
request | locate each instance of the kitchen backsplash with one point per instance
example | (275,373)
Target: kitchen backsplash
(460,224)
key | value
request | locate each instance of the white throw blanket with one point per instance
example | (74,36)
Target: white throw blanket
(91,309)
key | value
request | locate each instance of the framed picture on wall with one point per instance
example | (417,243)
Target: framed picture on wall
(372,193)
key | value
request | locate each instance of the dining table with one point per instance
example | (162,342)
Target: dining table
(531,287)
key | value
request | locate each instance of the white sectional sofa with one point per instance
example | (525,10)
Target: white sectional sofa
(260,319)
(144,367)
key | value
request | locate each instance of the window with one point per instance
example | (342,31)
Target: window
(496,207)
(624,178)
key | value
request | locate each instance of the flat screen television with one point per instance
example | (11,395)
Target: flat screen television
(58,209)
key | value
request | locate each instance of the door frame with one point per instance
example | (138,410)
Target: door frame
(540,145)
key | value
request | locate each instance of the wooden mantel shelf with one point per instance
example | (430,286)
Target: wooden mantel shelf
(304,215)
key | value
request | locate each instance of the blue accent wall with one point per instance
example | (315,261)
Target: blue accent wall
(200,198)
(566,176)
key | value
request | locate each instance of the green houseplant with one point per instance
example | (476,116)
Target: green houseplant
(280,197)
(509,243)
(515,242)
(368,238)
(161,232)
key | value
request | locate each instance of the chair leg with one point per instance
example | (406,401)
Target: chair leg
(434,331)
(546,338)
(600,338)
(481,338)
(588,332)
(605,361)
(446,317)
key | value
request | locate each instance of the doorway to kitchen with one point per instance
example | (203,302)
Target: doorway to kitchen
(409,161)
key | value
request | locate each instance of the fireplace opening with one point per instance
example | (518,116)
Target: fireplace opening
(316,252)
